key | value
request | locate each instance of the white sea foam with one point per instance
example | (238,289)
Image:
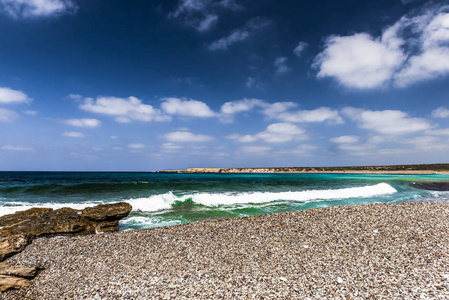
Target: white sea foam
(165,201)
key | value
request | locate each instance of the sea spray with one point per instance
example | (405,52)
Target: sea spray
(165,201)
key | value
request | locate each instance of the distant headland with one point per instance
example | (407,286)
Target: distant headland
(398,169)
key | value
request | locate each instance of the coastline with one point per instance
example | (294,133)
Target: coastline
(389,169)
(361,251)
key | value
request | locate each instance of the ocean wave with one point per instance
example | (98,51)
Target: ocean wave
(168,200)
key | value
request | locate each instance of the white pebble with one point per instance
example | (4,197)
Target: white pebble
(339,280)
(283,278)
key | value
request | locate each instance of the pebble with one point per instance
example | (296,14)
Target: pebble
(255,257)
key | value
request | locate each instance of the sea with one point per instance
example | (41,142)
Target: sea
(165,199)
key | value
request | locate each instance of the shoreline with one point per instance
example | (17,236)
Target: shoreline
(357,251)
(391,169)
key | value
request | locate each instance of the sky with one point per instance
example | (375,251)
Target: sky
(146,85)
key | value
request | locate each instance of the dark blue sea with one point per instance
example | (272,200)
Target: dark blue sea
(163,199)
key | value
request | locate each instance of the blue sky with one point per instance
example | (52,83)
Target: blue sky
(150,85)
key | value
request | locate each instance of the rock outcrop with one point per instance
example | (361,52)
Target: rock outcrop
(15,277)
(19,229)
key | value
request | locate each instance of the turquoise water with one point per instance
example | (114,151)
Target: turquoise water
(162,199)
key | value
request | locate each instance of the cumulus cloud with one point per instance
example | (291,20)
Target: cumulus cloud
(201,15)
(283,111)
(185,136)
(124,109)
(441,112)
(274,133)
(73,134)
(8,95)
(36,8)
(389,122)
(345,139)
(90,123)
(184,107)
(243,105)
(414,49)
(240,34)
(299,49)
(16,148)
(7,115)
(280,66)
(320,114)
(432,59)
(359,61)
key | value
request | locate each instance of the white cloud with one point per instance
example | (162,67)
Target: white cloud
(7,115)
(299,49)
(433,58)
(389,122)
(254,150)
(8,95)
(171,148)
(16,148)
(90,123)
(274,133)
(240,34)
(242,138)
(136,146)
(76,97)
(73,134)
(182,107)
(201,15)
(36,8)
(274,109)
(320,114)
(280,66)
(243,105)
(414,49)
(281,111)
(250,82)
(224,43)
(345,139)
(438,132)
(31,112)
(359,61)
(430,64)
(428,143)
(185,136)
(125,109)
(441,112)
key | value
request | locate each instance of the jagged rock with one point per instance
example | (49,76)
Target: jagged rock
(13,244)
(11,282)
(9,269)
(18,230)
(107,212)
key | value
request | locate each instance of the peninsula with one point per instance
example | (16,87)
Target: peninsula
(400,169)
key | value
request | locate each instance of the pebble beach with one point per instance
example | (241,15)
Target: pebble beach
(374,251)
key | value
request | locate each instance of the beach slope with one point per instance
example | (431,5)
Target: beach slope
(377,251)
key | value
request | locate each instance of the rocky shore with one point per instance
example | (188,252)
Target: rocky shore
(18,230)
(376,251)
